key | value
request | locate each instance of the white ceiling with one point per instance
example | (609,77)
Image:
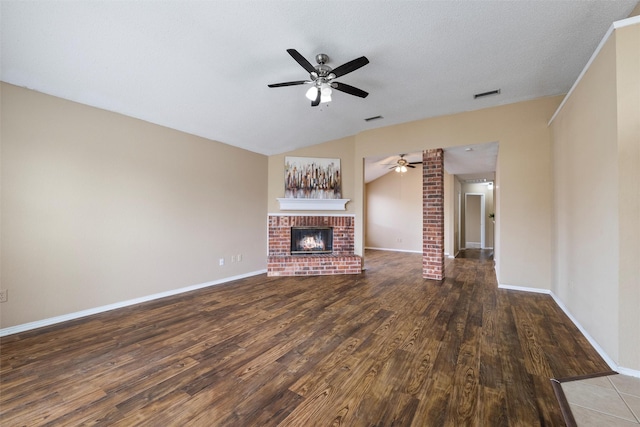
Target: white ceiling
(472,162)
(203,67)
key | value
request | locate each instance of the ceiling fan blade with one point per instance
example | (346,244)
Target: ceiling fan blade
(415,163)
(316,101)
(301,60)
(350,66)
(349,89)
(297,82)
(409,165)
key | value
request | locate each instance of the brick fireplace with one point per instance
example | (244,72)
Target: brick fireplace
(341,260)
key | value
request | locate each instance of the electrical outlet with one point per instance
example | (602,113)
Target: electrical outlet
(221,261)
(233,258)
(239,257)
(4,295)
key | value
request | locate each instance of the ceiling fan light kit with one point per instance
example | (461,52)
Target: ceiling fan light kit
(321,77)
(401,169)
(325,93)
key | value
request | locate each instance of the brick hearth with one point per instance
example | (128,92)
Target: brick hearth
(341,261)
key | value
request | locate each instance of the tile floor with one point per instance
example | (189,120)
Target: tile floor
(612,400)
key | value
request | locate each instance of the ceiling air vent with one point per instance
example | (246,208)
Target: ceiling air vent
(482,95)
(369,119)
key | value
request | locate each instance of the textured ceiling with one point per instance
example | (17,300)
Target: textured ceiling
(203,67)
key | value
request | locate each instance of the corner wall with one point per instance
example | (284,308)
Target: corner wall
(596,149)
(394,206)
(628,88)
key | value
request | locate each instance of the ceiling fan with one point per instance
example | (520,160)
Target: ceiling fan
(402,164)
(322,77)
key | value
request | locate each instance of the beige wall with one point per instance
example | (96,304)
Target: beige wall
(628,89)
(525,176)
(457,229)
(394,208)
(99,208)
(472,211)
(339,149)
(386,224)
(524,187)
(597,199)
(450,206)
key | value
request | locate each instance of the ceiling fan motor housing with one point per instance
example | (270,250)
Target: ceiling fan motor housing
(322,58)
(323,74)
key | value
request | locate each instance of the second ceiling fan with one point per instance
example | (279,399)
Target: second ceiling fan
(322,77)
(402,164)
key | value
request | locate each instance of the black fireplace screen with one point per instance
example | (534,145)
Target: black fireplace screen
(311,240)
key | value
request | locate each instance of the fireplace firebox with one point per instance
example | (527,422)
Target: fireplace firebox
(311,240)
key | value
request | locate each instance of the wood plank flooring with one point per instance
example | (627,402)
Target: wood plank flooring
(384,348)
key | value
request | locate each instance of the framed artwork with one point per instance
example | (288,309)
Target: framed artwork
(312,178)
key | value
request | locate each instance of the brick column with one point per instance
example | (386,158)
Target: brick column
(433,214)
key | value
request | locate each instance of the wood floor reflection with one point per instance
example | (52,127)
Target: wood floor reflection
(378,349)
(483,254)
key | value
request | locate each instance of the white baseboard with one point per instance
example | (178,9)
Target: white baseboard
(393,250)
(524,289)
(628,372)
(78,314)
(613,365)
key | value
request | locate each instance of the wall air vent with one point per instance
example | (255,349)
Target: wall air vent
(369,119)
(482,95)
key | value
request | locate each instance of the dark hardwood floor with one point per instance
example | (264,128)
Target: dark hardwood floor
(385,348)
(483,254)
